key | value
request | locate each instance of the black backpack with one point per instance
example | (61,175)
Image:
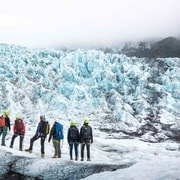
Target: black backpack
(86,132)
(44,128)
(73,132)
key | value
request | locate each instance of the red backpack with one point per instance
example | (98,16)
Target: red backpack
(2,121)
(19,125)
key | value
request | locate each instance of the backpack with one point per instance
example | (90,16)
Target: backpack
(44,128)
(86,132)
(47,127)
(59,131)
(73,133)
(19,124)
(2,121)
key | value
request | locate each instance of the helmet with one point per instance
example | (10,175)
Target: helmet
(18,117)
(6,112)
(86,121)
(73,123)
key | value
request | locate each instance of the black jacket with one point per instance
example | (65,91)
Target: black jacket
(52,132)
(73,138)
(90,138)
(41,129)
(7,122)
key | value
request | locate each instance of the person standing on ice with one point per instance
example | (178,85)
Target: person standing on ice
(57,136)
(41,132)
(19,130)
(4,125)
(73,139)
(86,138)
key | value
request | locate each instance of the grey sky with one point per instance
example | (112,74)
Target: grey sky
(44,23)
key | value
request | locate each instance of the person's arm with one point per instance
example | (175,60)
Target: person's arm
(24,129)
(68,136)
(14,127)
(51,133)
(91,134)
(78,135)
(38,128)
(8,122)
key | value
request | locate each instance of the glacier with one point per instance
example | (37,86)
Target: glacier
(124,97)
(118,93)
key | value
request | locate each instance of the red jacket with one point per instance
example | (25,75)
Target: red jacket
(19,127)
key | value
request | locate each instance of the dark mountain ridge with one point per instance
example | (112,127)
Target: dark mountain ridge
(168,47)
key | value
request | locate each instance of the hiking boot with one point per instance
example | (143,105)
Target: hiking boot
(88,159)
(28,150)
(3,144)
(76,159)
(82,159)
(55,156)
(71,158)
(42,155)
(20,149)
(11,146)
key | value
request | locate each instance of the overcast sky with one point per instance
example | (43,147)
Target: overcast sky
(45,23)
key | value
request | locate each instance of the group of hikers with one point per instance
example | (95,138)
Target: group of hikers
(84,136)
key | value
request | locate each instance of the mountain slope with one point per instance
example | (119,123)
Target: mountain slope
(168,47)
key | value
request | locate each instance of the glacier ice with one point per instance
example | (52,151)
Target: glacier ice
(79,83)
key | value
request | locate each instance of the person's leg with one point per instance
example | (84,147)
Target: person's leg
(21,142)
(5,129)
(82,151)
(56,148)
(34,138)
(70,150)
(42,146)
(1,130)
(76,150)
(59,148)
(54,144)
(88,151)
(12,140)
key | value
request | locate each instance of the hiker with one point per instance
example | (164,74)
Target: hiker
(86,138)
(19,130)
(41,132)
(4,125)
(73,139)
(56,134)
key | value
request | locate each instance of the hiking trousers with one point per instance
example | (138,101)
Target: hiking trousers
(33,139)
(75,145)
(21,137)
(87,144)
(3,131)
(57,148)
